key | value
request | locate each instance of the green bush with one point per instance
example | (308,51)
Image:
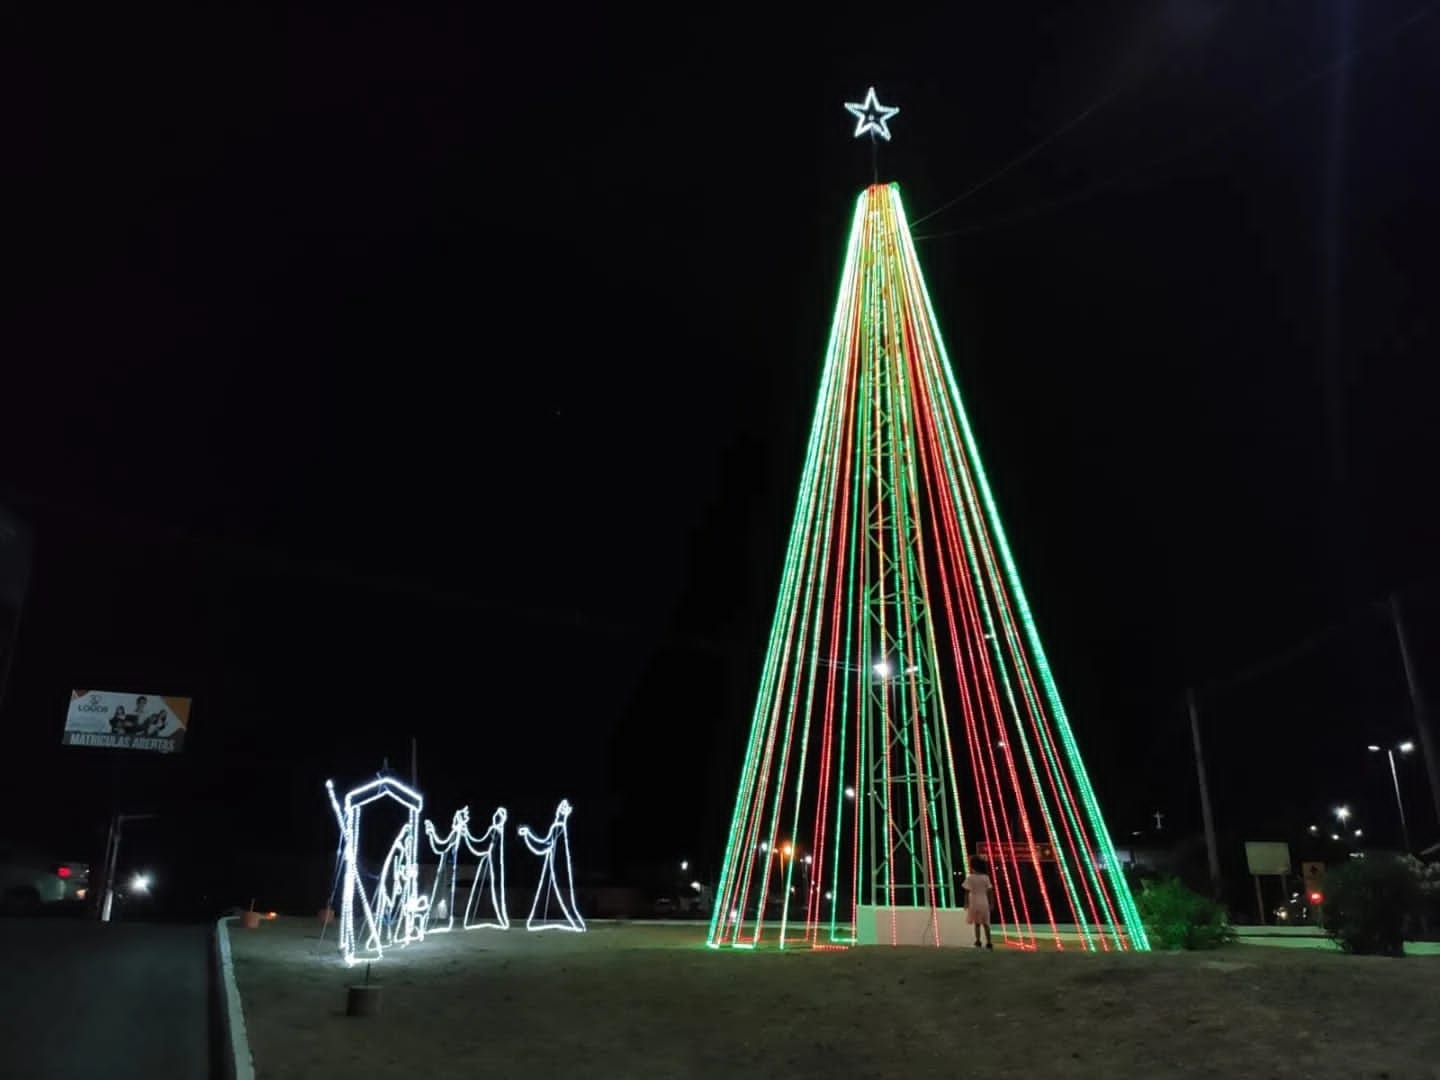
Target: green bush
(1368,903)
(1179,918)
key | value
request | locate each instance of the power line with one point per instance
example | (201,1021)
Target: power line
(1094,106)
(1344,60)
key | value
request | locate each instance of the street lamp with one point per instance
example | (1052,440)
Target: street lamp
(1404,748)
(1342,814)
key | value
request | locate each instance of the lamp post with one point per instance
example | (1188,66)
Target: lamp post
(1404,748)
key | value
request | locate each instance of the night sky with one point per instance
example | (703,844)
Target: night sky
(447,374)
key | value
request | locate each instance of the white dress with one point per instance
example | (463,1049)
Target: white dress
(977,899)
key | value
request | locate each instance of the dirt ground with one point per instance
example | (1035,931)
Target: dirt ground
(636,1001)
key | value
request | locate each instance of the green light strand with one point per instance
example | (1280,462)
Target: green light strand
(813,581)
(728,867)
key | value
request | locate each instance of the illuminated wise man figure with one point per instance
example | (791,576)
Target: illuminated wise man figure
(449,851)
(489,851)
(554,843)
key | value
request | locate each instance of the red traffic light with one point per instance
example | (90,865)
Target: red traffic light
(1316,898)
(62,871)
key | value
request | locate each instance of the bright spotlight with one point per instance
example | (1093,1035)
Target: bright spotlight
(883,669)
(140,883)
(1406,746)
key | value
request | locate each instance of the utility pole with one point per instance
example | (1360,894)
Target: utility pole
(1206,815)
(112,856)
(1417,705)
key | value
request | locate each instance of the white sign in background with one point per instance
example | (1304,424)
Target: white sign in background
(111,720)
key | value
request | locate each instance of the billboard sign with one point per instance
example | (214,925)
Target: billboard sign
(1005,851)
(1267,858)
(114,721)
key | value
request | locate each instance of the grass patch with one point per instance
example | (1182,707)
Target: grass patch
(637,1001)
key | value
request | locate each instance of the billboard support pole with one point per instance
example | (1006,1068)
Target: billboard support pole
(112,856)
(112,851)
(1207,816)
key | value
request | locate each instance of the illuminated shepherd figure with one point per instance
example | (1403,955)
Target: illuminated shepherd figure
(489,850)
(449,851)
(556,840)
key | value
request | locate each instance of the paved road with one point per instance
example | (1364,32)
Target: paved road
(112,1001)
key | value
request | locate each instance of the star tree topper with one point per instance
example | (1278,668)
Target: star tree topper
(871,116)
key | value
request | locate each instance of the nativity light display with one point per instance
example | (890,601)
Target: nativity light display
(397,913)
(907,718)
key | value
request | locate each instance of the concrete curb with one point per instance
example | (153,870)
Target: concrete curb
(236,1061)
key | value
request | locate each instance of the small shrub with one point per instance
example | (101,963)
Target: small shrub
(1368,903)
(1179,918)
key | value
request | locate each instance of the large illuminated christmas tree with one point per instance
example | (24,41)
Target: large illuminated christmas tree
(907,720)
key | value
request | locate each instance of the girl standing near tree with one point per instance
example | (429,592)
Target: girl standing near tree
(978,888)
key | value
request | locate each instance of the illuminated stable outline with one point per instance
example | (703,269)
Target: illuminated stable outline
(396,913)
(903,648)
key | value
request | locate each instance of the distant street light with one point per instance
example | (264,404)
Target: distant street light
(684,865)
(849,793)
(1404,748)
(140,883)
(1314,828)
(1342,813)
